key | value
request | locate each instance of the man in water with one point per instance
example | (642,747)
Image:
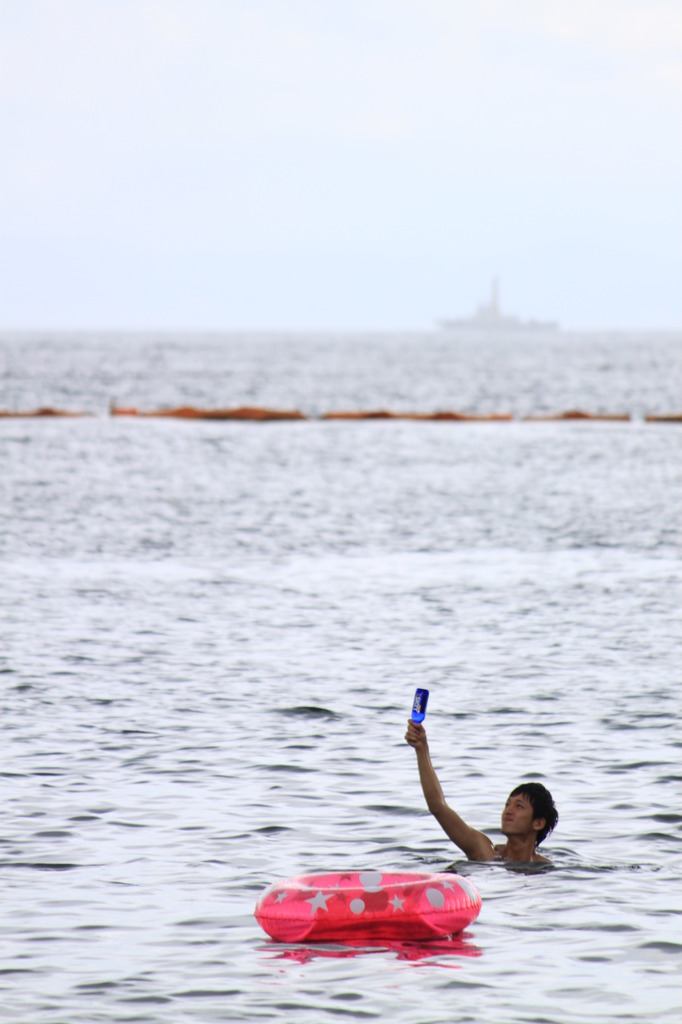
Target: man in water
(529,814)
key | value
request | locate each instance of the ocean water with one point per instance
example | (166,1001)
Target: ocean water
(210,636)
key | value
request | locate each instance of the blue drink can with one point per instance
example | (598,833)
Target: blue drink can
(421,699)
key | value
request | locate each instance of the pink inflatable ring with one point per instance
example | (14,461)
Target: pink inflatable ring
(352,905)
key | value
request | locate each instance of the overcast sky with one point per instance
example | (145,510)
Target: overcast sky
(339,163)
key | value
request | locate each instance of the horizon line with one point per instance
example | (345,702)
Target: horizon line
(435,329)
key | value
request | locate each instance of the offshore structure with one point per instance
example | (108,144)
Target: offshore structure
(488,317)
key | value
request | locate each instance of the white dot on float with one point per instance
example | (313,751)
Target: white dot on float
(468,888)
(357,906)
(436,898)
(371,880)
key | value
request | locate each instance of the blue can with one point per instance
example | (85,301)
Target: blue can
(421,699)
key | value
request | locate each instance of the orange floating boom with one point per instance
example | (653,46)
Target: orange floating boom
(44,411)
(190,412)
(383,414)
(577,414)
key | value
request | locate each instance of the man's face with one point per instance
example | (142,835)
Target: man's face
(517,817)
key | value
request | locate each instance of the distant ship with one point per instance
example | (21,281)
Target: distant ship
(489,318)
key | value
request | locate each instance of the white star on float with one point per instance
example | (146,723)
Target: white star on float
(447,885)
(318,901)
(281,897)
(397,902)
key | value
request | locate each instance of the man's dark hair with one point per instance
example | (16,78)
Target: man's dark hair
(542,804)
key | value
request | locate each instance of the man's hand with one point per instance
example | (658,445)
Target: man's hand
(416,735)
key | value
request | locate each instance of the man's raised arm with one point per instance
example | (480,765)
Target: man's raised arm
(473,843)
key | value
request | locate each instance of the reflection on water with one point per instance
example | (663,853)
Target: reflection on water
(437,952)
(209,643)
